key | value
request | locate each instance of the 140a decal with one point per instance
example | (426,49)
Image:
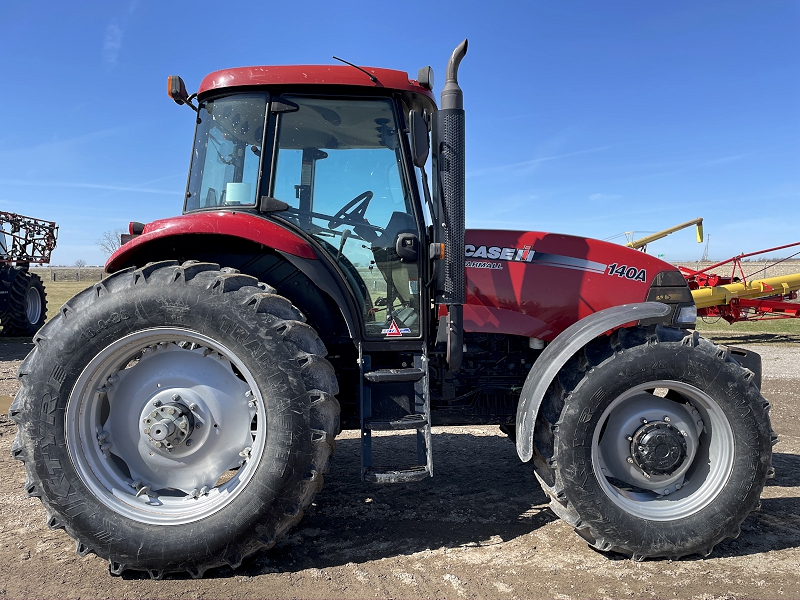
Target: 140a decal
(627,272)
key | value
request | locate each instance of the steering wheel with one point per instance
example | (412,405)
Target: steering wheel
(346,215)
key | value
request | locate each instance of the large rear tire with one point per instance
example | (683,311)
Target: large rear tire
(27,305)
(653,443)
(175,418)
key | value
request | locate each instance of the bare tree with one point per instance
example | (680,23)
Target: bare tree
(110,240)
(80,263)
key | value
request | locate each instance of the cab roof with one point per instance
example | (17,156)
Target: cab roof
(312,75)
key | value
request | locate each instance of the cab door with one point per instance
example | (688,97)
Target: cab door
(340,166)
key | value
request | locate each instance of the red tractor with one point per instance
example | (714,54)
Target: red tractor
(180,414)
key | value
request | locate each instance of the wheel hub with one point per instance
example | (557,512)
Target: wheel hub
(658,448)
(167,425)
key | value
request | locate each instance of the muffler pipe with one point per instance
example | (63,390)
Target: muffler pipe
(449,136)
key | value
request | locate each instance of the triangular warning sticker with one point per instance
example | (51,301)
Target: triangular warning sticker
(393,331)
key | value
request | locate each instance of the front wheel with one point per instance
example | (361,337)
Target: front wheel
(176,418)
(660,444)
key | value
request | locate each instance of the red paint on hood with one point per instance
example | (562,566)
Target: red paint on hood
(551,281)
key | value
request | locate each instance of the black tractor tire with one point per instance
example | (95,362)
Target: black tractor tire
(236,355)
(27,305)
(651,386)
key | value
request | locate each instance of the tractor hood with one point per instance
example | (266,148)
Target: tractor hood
(538,284)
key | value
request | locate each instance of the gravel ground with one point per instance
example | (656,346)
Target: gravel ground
(480,528)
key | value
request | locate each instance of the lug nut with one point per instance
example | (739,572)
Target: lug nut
(666,419)
(629,438)
(630,460)
(171,410)
(147,430)
(189,442)
(644,421)
(176,397)
(156,403)
(198,425)
(193,406)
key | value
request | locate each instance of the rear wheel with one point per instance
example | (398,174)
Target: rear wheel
(176,418)
(27,308)
(654,444)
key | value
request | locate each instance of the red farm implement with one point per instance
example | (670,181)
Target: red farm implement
(744,297)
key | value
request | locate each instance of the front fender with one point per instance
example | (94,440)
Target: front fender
(555,356)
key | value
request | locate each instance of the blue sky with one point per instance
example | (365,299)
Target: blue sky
(591,118)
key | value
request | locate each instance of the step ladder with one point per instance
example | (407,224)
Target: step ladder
(381,411)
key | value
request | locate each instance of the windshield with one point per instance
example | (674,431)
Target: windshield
(227,152)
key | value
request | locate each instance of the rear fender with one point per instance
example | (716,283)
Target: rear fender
(557,353)
(244,226)
(269,264)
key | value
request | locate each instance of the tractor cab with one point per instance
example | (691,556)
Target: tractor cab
(332,168)
(329,154)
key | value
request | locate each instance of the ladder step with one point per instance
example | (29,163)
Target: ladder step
(394,375)
(406,422)
(389,475)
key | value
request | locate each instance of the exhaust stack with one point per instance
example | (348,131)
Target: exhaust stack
(449,136)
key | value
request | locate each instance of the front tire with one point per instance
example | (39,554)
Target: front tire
(654,443)
(176,418)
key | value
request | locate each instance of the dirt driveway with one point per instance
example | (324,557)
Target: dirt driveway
(479,528)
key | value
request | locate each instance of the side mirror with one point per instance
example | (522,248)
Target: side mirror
(420,143)
(177,91)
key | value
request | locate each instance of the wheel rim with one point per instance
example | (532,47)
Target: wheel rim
(166,426)
(663,450)
(33,305)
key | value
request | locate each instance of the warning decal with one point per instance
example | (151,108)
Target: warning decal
(394,330)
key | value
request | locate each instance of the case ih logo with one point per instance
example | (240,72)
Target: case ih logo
(496,253)
(527,255)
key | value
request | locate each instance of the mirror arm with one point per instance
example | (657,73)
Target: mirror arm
(188,103)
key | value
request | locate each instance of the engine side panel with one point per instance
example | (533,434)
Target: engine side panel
(537,284)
